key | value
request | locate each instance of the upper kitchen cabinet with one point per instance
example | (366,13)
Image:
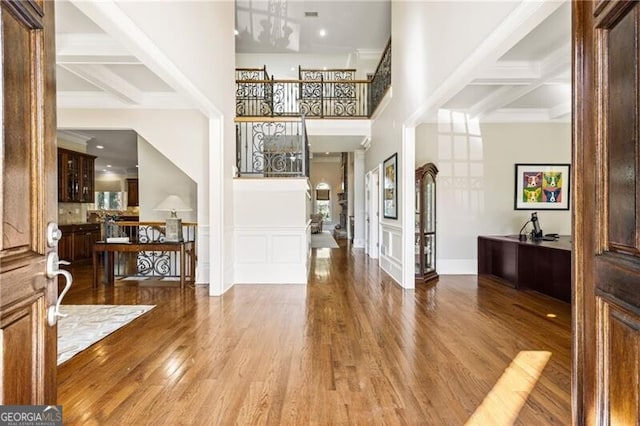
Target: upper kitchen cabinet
(76,177)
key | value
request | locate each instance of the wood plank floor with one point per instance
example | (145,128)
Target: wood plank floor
(349,348)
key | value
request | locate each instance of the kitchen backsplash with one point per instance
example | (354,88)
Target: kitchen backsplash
(69,213)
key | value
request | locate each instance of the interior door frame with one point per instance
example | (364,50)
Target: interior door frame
(373,245)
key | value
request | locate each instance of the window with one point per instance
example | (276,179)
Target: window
(323,201)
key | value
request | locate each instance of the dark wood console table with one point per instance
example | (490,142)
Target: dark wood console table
(186,249)
(543,266)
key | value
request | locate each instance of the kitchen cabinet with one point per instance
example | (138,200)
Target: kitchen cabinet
(76,176)
(77,241)
(132,192)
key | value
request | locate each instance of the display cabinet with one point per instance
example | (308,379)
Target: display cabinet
(76,175)
(425,223)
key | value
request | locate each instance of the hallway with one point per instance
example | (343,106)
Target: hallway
(350,348)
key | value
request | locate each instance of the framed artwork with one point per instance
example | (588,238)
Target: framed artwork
(390,188)
(542,186)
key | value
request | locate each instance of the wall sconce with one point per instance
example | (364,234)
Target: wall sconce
(173,224)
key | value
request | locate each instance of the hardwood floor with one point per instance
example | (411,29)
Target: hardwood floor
(349,348)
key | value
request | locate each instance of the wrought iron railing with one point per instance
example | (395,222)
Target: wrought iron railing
(315,94)
(381,80)
(149,264)
(272,148)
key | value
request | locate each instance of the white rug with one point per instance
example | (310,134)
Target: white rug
(323,239)
(87,324)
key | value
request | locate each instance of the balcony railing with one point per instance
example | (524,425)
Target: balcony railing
(272,148)
(315,94)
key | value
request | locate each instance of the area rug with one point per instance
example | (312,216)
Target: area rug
(84,325)
(323,240)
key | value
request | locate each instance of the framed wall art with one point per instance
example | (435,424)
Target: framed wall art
(390,188)
(542,186)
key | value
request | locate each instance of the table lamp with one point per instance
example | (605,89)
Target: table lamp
(173,224)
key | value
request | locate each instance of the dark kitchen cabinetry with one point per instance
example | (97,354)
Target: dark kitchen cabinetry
(77,241)
(76,176)
(132,192)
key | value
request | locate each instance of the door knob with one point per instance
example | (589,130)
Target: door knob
(53,312)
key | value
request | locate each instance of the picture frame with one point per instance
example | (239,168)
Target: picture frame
(542,186)
(390,187)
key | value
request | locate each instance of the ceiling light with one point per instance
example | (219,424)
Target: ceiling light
(236,32)
(327,153)
(108,165)
(137,165)
(322,32)
(99,146)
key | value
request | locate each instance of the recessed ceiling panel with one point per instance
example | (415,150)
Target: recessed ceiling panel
(74,21)
(141,77)
(469,96)
(547,96)
(69,82)
(553,33)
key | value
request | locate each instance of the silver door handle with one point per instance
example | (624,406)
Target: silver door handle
(53,312)
(54,234)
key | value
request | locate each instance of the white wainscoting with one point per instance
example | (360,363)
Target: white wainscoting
(271,255)
(271,238)
(202,249)
(391,250)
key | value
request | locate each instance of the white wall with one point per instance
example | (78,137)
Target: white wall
(429,41)
(323,170)
(475,184)
(158,178)
(271,241)
(191,45)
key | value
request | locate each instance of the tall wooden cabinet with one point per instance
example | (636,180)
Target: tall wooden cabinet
(425,223)
(132,192)
(76,176)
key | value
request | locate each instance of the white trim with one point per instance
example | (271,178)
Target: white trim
(408,178)
(216,208)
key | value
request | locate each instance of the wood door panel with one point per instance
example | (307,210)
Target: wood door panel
(606,261)
(621,138)
(15,334)
(27,202)
(621,357)
(17,87)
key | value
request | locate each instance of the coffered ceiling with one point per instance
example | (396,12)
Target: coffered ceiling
(530,82)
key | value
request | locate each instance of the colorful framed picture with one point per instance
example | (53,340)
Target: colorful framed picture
(390,188)
(542,186)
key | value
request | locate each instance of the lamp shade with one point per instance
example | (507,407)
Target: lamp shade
(173,204)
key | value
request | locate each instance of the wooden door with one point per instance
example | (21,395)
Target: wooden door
(606,226)
(27,202)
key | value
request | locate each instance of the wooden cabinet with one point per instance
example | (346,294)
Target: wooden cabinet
(543,266)
(132,192)
(425,223)
(76,176)
(77,241)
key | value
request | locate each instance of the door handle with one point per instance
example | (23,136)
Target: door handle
(53,312)
(54,234)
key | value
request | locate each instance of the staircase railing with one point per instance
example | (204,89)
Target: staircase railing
(315,94)
(272,147)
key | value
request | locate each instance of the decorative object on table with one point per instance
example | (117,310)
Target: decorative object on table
(173,224)
(85,325)
(542,186)
(390,188)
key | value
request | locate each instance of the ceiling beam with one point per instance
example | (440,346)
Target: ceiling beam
(91,48)
(550,68)
(107,80)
